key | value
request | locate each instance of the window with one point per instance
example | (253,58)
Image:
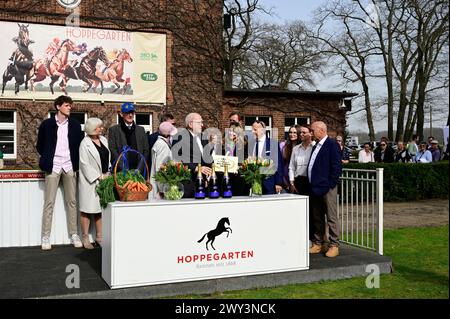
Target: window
(290,121)
(81,117)
(249,120)
(142,119)
(8,134)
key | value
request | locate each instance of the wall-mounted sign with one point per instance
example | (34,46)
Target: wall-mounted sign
(43,62)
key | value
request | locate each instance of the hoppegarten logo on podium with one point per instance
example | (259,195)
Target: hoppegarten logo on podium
(222,227)
(212,234)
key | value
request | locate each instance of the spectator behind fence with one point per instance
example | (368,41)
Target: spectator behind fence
(345,153)
(435,152)
(401,154)
(446,153)
(58,145)
(366,155)
(429,142)
(413,148)
(95,164)
(423,155)
(384,153)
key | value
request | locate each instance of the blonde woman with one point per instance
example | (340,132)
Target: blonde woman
(94,166)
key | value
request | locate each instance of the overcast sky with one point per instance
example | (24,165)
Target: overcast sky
(289,10)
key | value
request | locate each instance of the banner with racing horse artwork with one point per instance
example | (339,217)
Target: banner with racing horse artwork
(43,62)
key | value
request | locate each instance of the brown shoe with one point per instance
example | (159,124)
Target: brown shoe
(333,251)
(315,249)
(86,243)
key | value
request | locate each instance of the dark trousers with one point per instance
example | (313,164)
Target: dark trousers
(322,206)
(304,188)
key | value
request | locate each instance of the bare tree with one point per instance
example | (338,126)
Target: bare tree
(238,38)
(351,45)
(284,55)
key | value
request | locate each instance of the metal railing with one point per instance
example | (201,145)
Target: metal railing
(360,208)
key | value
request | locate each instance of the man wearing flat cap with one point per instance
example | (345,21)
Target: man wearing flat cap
(435,151)
(128,133)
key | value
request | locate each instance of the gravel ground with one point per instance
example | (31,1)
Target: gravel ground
(427,213)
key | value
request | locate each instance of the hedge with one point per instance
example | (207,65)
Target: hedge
(411,181)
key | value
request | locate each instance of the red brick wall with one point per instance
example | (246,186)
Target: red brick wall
(194,73)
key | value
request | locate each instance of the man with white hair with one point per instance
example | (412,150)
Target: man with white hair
(324,169)
(189,149)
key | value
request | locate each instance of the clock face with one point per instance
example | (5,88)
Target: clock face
(69,4)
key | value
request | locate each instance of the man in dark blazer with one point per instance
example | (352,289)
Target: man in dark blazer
(58,145)
(128,133)
(189,148)
(266,148)
(324,169)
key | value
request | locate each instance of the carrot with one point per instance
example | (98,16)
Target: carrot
(127,183)
(132,185)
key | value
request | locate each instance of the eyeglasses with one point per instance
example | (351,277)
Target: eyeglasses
(383,144)
(197,121)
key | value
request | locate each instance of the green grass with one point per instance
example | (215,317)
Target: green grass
(420,260)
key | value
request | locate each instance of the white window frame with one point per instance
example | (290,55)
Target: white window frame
(308,121)
(11,126)
(147,128)
(84,113)
(248,128)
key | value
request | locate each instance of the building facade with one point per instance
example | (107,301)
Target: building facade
(193,73)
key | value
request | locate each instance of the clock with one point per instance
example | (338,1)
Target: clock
(69,4)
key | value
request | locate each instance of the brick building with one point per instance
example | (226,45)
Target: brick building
(194,81)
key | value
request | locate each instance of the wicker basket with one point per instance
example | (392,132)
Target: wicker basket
(126,195)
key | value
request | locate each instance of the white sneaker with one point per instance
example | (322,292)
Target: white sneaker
(76,241)
(46,243)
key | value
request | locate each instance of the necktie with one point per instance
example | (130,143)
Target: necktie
(257,148)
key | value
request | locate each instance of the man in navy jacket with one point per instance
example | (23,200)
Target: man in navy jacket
(58,145)
(266,148)
(324,169)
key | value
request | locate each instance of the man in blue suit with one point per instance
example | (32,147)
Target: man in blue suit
(266,148)
(324,169)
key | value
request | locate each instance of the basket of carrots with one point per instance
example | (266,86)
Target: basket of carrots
(130,184)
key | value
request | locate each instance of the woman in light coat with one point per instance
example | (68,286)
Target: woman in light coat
(161,153)
(94,166)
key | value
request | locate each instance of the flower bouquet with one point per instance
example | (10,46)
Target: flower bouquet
(254,171)
(170,175)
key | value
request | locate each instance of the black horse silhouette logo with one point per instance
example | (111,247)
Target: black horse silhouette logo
(212,234)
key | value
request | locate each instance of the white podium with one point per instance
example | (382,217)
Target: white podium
(156,242)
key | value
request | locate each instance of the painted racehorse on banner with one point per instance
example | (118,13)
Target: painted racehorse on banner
(86,70)
(114,72)
(21,61)
(212,234)
(53,67)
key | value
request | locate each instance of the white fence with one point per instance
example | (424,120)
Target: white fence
(360,208)
(21,203)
